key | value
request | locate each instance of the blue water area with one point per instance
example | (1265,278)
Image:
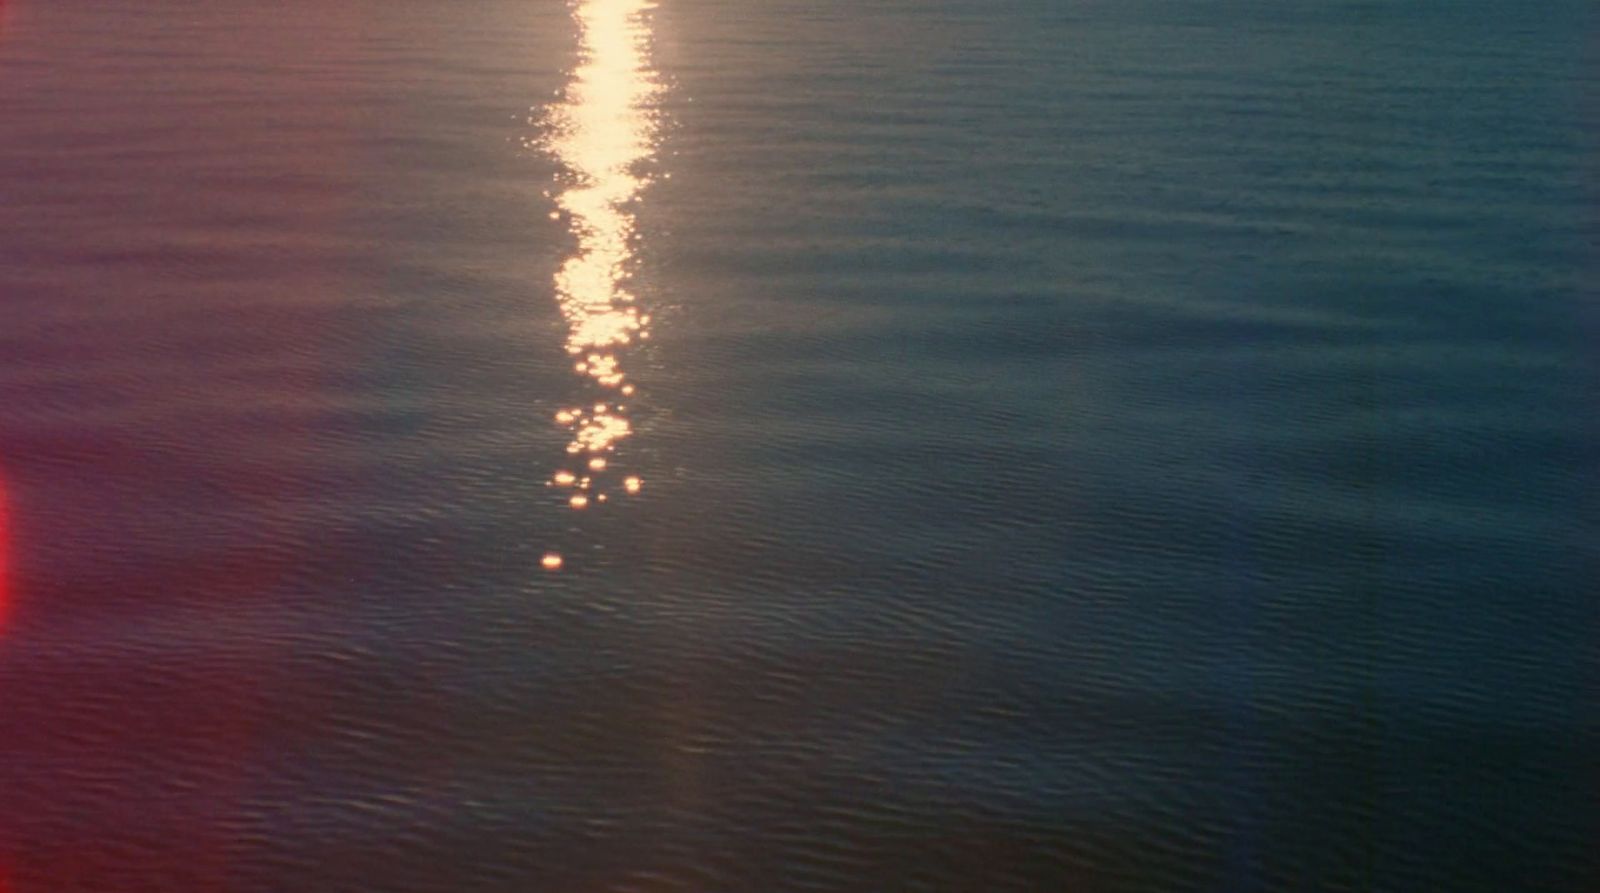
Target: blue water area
(1048,445)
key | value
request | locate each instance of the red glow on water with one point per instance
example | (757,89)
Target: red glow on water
(5,572)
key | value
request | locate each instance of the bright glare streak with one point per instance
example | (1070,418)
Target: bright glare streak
(603,130)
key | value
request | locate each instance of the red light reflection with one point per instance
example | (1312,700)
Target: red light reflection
(5,571)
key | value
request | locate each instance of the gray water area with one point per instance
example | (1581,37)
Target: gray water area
(1080,446)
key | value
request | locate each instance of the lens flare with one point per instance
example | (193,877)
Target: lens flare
(5,556)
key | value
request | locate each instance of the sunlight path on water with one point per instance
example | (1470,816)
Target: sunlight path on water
(602,130)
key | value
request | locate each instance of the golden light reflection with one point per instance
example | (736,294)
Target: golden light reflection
(603,130)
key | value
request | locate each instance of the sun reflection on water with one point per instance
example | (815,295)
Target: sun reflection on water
(603,130)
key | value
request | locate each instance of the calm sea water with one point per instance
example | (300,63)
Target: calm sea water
(1080,446)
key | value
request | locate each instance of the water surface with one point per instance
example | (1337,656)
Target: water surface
(1079,446)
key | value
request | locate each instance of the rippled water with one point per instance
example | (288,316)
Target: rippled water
(1080,445)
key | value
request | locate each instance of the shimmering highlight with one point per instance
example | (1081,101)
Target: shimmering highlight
(602,131)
